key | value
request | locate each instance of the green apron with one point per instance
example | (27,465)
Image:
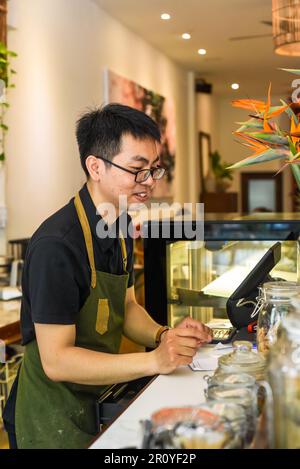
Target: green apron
(60,414)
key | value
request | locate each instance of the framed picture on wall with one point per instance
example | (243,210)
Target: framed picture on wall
(204,152)
(261,192)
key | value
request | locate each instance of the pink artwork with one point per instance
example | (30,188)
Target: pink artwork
(124,91)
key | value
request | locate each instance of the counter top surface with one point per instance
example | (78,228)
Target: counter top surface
(181,388)
(9,312)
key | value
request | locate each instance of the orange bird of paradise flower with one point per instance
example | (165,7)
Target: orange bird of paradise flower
(263,109)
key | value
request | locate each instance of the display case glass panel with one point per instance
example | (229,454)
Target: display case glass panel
(201,276)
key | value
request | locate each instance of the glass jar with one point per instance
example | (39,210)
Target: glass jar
(241,380)
(189,428)
(283,372)
(239,396)
(274,304)
(230,379)
(242,360)
(234,414)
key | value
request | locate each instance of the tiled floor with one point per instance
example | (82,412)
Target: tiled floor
(3,439)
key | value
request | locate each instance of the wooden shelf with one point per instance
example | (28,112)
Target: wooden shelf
(220,202)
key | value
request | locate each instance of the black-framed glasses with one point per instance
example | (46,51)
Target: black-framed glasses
(143,174)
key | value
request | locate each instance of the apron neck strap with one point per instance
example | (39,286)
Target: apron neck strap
(124,251)
(87,237)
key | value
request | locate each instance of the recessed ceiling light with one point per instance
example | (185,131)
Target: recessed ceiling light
(202,51)
(235,86)
(186,36)
(165,16)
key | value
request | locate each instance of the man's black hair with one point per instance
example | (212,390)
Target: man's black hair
(100,131)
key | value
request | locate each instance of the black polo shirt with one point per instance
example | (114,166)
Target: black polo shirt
(56,276)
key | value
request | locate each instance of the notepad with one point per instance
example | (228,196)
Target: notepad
(206,359)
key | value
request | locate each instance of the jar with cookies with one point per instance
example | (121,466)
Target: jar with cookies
(274,305)
(283,373)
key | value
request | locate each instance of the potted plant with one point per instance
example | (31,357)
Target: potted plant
(263,135)
(223,175)
(6,73)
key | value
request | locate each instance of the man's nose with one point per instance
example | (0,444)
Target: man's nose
(150,182)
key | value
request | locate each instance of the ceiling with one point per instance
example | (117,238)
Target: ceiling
(251,62)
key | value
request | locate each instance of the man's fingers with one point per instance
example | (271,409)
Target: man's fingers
(185,360)
(191,342)
(193,323)
(186,351)
(192,332)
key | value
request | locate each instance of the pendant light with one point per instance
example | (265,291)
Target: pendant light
(286,27)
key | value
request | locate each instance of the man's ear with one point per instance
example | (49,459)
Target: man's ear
(95,167)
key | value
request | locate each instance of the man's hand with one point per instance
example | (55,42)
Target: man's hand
(179,345)
(205,332)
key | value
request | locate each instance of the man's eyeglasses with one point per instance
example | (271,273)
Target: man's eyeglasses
(143,174)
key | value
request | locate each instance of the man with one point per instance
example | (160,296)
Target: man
(78,293)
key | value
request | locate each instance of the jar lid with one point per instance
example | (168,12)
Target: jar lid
(291,322)
(172,415)
(231,379)
(280,291)
(242,358)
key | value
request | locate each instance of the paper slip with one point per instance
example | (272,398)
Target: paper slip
(206,359)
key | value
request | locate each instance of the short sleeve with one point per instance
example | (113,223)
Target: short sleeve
(53,290)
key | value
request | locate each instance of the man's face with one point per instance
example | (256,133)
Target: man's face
(134,156)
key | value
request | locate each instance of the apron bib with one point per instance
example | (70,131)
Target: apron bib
(63,415)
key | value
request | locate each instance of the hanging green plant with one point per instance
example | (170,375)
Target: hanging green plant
(6,73)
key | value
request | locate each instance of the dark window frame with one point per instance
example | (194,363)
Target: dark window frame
(258,175)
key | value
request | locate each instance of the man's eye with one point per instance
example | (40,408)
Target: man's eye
(136,169)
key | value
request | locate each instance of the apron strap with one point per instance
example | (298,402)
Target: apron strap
(124,251)
(87,237)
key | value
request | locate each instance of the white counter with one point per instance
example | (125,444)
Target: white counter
(181,388)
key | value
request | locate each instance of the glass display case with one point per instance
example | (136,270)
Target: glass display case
(215,270)
(187,277)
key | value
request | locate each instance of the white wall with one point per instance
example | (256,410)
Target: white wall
(207,121)
(63,46)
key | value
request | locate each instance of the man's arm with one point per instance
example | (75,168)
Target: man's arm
(63,361)
(138,324)
(142,329)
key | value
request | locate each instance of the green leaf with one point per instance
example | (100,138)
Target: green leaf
(5,105)
(12,53)
(291,113)
(291,70)
(269,138)
(250,124)
(274,108)
(296,173)
(294,157)
(2,156)
(3,61)
(268,155)
(12,71)
(4,127)
(292,146)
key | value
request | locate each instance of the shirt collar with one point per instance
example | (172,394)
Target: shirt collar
(94,218)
